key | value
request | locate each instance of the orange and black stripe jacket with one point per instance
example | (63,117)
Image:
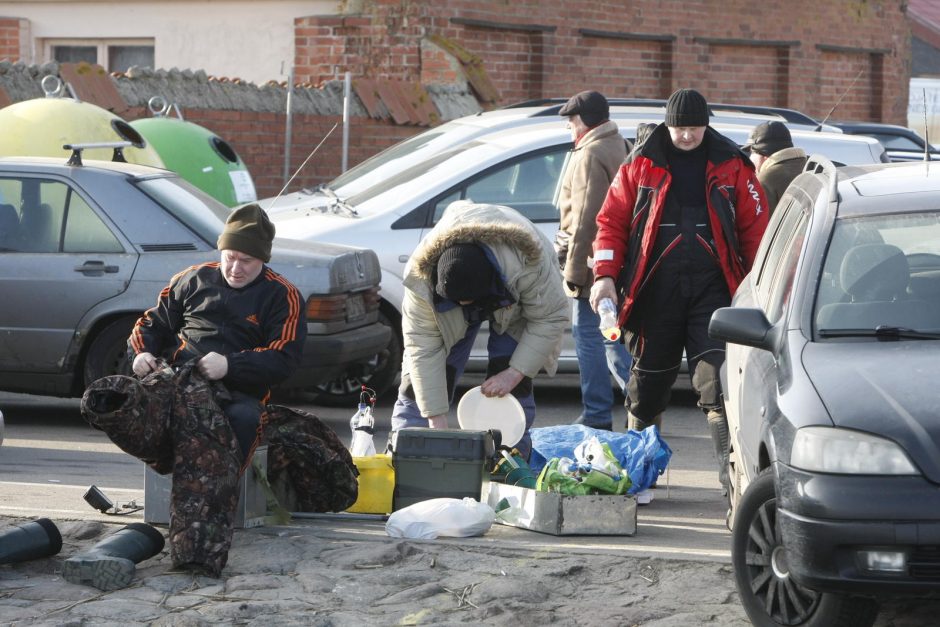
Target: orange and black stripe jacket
(260,328)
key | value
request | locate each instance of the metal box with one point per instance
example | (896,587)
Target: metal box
(562,514)
(252,502)
(439,463)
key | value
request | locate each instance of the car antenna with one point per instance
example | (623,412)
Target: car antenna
(297,171)
(839,101)
(926,131)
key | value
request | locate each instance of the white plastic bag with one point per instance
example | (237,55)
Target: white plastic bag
(426,520)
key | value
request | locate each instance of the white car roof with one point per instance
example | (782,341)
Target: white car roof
(452,166)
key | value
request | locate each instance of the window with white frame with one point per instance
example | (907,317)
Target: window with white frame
(115,55)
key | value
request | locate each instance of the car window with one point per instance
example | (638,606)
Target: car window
(781,287)
(897,142)
(84,230)
(527,185)
(881,271)
(776,251)
(191,206)
(45,216)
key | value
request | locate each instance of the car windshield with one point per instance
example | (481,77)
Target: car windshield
(188,204)
(881,278)
(409,174)
(388,161)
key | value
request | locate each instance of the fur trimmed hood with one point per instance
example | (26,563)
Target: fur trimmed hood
(495,226)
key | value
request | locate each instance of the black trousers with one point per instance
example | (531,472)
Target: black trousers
(672,315)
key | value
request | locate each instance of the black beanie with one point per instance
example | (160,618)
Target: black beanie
(592,106)
(248,230)
(463,273)
(686,107)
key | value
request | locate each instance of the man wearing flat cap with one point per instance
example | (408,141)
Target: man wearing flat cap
(243,323)
(598,152)
(777,160)
(676,234)
(480,263)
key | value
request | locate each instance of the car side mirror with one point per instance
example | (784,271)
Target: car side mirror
(743,325)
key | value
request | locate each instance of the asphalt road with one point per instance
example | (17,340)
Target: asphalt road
(50,457)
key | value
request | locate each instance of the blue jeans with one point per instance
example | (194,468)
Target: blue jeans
(499,349)
(598,359)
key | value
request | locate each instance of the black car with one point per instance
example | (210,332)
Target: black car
(829,378)
(900,142)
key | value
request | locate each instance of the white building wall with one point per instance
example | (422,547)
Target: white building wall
(251,39)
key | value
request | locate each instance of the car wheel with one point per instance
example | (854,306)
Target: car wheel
(771,597)
(107,353)
(380,374)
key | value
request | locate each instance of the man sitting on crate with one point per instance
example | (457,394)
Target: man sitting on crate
(230,329)
(480,263)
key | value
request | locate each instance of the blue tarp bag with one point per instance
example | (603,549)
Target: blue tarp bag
(643,454)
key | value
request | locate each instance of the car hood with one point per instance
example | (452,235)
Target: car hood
(885,388)
(347,268)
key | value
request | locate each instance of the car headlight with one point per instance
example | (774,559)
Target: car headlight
(840,451)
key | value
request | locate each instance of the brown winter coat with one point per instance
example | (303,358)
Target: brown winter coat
(780,168)
(593,164)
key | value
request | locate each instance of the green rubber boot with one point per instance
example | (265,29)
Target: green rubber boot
(110,564)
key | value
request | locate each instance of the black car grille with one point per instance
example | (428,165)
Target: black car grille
(924,563)
(167,248)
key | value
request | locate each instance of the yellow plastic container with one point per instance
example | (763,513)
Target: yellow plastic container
(376,485)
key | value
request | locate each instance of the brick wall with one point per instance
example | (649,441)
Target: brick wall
(12,32)
(795,53)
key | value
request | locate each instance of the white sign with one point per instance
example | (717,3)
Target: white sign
(243,185)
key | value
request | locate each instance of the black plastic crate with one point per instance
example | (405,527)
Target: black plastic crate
(440,463)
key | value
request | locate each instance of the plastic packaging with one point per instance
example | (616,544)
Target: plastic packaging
(363,426)
(608,313)
(426,520)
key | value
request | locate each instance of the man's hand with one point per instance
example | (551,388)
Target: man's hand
(603,288)
(213,366)
(502,384)
(438,422)
(144,364)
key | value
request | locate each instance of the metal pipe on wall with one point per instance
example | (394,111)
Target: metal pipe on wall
(347,94)
(288,128)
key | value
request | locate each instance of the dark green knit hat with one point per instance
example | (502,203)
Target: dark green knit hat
(248,230)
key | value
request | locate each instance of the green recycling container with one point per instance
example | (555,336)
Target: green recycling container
(201,157)
(41,126)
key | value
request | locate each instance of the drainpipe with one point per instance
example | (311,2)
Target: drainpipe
(347,94)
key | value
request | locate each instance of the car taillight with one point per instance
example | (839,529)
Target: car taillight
(349,306)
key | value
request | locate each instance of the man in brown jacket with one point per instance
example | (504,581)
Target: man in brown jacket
(775,158)
(598,152)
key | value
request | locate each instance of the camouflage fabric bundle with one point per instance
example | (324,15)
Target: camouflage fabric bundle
(308,466)
(172,420)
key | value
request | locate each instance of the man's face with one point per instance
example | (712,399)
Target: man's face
(757,160)
(576,126)
(686,137)
(239,269)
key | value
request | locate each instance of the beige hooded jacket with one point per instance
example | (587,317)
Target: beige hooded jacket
(529,270)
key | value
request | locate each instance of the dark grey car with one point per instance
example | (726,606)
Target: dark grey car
(84,249)
(830,388)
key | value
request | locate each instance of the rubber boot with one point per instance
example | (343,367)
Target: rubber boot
(30,541)
(718,426)
(109,565)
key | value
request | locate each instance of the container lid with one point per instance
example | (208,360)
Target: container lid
(476,412)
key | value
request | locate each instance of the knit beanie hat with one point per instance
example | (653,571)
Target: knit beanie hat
(768,138)
(686,107)
(592,106)
(248,230)
(463,273)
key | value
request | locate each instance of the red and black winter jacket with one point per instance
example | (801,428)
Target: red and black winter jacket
(259,328)
(628,222)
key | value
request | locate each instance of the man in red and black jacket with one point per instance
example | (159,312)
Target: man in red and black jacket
(677,232)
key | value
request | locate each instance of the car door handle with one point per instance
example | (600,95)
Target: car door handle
(402,258)
(95,268)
